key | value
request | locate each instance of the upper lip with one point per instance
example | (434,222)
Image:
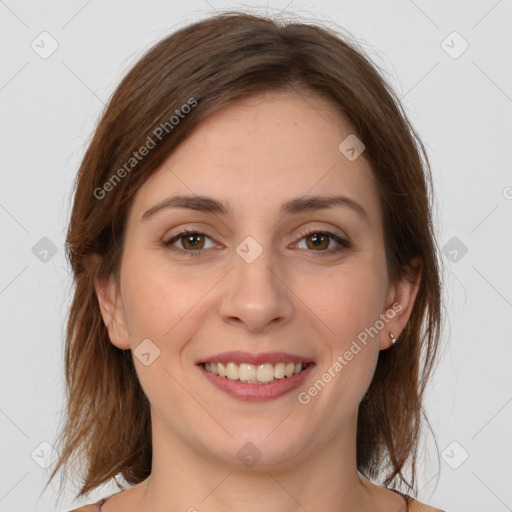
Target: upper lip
(239,357)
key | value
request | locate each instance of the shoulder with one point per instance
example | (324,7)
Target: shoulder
(86,508)
(95,507)
(416,506)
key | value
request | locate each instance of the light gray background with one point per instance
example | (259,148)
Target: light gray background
(462,109)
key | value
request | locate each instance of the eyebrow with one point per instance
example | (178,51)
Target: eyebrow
(291,207)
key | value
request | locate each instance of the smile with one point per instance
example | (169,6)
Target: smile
(255,373)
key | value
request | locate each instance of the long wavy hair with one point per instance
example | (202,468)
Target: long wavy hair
(106,432)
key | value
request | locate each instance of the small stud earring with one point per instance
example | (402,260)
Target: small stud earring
(393,339)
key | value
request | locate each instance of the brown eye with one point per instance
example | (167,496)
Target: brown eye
(318,241)
(192,242)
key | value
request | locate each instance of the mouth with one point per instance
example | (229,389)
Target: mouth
(256,377)
(255,374)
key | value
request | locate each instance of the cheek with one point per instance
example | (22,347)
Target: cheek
(155,299)
(349,303)
(348,300)
(164,303)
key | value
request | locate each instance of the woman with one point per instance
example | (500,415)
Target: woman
(257,306)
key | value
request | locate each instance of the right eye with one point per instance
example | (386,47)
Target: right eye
(191,241)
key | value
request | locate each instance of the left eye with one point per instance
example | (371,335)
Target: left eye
(193,242)
(319,238)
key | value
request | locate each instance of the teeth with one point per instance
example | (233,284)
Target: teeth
(246,372)
(254,374)
(279,370)
(265,373)
(232,371)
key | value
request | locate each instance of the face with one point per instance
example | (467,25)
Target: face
(257,287)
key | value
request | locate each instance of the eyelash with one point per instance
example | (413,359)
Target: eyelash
(343,243)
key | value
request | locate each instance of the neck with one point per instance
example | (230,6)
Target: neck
(186,479)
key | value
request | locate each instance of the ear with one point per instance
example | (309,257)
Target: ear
(110,304)
(400,301)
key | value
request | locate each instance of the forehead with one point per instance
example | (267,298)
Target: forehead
(257,153)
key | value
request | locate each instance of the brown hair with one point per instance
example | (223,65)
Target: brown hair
(215,62)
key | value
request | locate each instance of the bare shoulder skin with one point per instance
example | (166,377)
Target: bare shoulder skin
(85,508)
(416,506)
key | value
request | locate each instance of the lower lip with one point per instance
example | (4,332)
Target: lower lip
(257,392)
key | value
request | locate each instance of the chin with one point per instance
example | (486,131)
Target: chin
(261,448)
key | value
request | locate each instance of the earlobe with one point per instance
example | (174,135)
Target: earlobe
(399,304)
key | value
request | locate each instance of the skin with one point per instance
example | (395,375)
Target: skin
(261,152)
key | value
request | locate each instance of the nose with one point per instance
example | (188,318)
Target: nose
(257,295)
